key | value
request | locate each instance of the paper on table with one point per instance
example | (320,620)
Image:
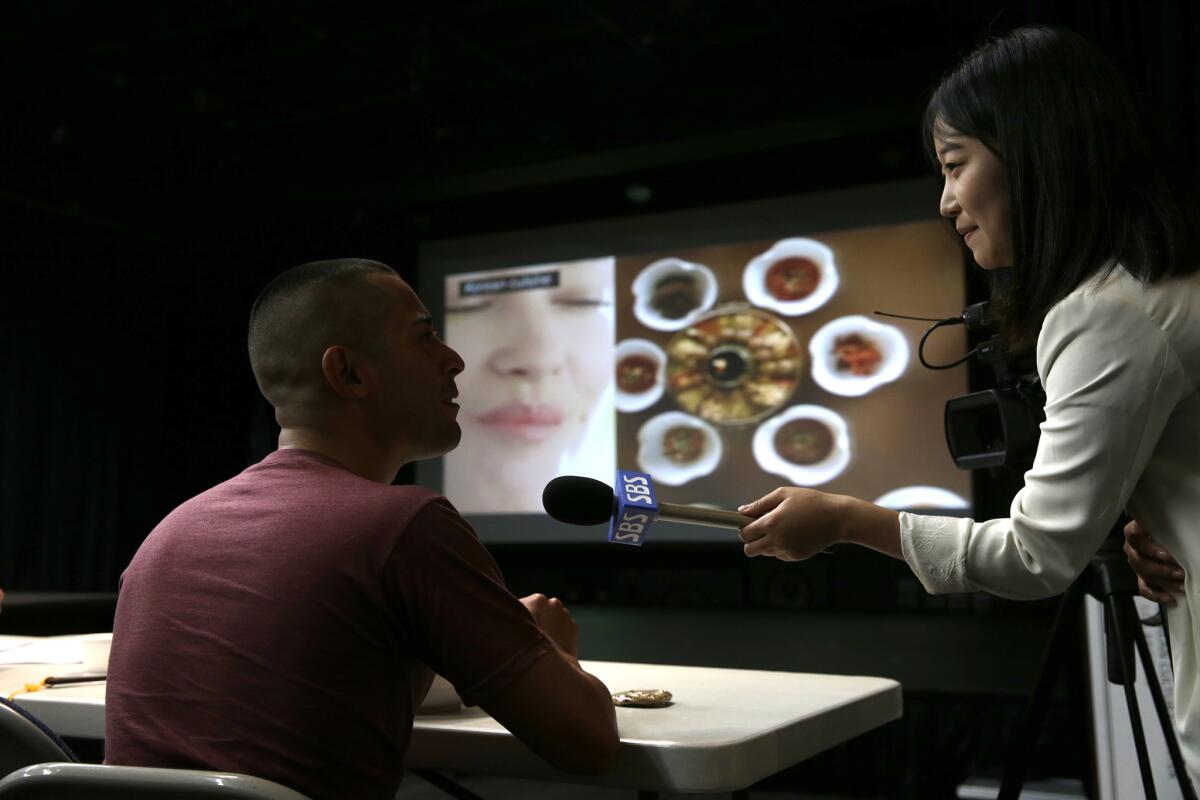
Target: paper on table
(42,651)
(442,698)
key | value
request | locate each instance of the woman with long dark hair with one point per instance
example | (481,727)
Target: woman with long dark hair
(1053,181)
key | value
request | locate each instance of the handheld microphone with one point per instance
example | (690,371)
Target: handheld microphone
(586,501)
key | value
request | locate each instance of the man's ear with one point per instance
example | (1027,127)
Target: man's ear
(345,372)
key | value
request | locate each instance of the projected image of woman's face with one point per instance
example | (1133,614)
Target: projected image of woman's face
(538,347)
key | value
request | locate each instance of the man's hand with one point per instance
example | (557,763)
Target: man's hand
(1159,575)
(553,618)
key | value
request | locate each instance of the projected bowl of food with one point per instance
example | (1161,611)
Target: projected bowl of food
(671,293)
(794,277)
(806,444)
(675,448)
(736,365)
(854,355)
(641,374)
(923,498)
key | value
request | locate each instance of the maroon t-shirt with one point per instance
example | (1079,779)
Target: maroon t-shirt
(284,624)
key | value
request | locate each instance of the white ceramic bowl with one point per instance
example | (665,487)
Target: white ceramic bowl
(652,459)
(892,344)
(638,401)
(815,474)
(649,277)
(754,276)
(95,648)
(930,498)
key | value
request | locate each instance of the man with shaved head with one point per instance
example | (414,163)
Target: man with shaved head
(287,622)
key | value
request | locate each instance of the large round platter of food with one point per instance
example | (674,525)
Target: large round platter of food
(735,365)
(796,276)
(671,293)
(854,355)
(675,448)
(806,444)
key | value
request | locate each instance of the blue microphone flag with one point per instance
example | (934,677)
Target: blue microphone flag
(636,508)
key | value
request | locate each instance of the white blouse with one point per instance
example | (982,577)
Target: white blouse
(1120,362)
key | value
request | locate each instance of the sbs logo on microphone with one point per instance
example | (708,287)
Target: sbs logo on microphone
(636,508)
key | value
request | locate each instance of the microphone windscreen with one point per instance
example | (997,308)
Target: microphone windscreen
(578,501)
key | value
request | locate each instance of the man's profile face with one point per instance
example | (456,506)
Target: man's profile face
(414,372)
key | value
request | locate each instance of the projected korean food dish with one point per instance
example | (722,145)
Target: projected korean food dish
(640,374)
(854,355)
(676,448)
(807,444)
(733,366)
(671,293)
(675,295)
(683,444)
(794,277)
(804,441)
(635,373)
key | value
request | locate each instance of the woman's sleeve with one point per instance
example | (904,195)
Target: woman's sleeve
(1111,382)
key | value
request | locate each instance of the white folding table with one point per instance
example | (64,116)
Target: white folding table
(725,730)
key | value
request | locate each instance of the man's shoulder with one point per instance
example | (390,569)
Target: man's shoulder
(305,481)
(436,515)
(437,533)
(262,505)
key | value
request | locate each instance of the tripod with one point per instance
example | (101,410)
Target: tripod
(1110,580)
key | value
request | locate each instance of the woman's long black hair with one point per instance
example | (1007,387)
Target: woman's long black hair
(1089,188)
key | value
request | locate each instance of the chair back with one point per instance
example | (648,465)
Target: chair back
(25,740)
(60,781)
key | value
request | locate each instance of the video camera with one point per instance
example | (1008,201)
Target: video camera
(996,427)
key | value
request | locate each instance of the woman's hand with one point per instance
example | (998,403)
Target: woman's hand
(1158,573)
(792,524)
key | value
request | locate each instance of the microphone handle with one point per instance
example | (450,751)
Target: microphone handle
(713,518)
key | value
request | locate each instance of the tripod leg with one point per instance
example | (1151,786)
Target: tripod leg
(1026,733)
(1120,617)
(1164,718)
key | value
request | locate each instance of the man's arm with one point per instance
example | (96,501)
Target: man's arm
(516,660)
(561,712)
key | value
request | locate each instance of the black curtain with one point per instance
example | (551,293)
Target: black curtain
(125,384)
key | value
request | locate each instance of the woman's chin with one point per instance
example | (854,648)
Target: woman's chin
(989,260)
(523,445)
(512,489)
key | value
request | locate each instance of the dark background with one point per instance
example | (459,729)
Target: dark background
(159,162)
